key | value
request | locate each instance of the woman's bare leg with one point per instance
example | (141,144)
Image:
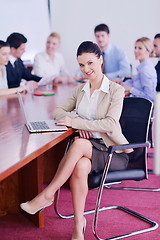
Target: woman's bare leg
(80,148)
(79,189)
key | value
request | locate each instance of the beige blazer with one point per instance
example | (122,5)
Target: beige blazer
(109,109)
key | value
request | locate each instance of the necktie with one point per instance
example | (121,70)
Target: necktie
(15,63)
(16,66)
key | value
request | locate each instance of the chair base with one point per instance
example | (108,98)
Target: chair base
(153,224)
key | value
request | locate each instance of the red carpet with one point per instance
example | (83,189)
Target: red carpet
(111,223)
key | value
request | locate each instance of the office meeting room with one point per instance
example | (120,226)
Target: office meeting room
(79,119)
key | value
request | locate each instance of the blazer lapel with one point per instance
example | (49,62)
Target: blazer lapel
(79,97)
(99,104)
(101,96)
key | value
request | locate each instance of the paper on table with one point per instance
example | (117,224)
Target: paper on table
(46,80)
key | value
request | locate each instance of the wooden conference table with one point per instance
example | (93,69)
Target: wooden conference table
(28,160)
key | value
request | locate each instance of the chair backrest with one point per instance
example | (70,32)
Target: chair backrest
(134,120)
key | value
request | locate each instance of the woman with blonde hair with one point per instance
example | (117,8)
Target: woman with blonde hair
(144,83)
(50,63)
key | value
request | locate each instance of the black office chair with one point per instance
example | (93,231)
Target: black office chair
(134,121)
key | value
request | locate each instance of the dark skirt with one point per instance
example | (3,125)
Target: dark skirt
(100,155)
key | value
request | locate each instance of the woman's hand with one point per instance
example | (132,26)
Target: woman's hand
(31,86)
(58,79)
(126,93)
(118,80)
(71,80)
(64,121)
(22,88)
(127,90)
(85,134)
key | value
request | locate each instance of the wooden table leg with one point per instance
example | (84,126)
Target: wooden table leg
(9,195)
(31,183)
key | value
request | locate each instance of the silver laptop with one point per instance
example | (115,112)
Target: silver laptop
(39,126)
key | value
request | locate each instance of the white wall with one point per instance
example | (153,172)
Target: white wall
(29,17)
(75,21)
(128,20)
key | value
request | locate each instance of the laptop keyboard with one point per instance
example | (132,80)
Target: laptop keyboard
(39,125)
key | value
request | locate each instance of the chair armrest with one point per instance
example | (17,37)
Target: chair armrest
(70,140)
(73,135)
(113,148)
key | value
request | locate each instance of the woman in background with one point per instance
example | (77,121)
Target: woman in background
(94,108)
(4,58)
(144,83)
(51,63)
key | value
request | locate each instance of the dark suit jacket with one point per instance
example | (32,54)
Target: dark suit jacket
(157,67)
(14,75)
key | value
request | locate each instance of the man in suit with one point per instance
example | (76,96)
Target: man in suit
(116,65)
(16,71)
(156,44)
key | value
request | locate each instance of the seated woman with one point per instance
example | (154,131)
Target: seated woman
(144,83)
(50,64)
(94,108)
(4,58)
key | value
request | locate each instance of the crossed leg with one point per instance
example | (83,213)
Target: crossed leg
(79,189)
(80,150)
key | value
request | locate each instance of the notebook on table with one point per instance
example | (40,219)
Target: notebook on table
(39,126)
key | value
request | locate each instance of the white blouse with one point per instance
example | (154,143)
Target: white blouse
(3,78)
(87,108)
(46,67)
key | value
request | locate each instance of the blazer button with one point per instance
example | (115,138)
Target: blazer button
(101,149)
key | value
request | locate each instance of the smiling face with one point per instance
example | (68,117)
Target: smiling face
(4,55)
(140,51)
(90,65)
(156,44)
(52,44)
(102,39)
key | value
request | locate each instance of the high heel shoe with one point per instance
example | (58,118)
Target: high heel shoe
(83,231)
(25,206)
